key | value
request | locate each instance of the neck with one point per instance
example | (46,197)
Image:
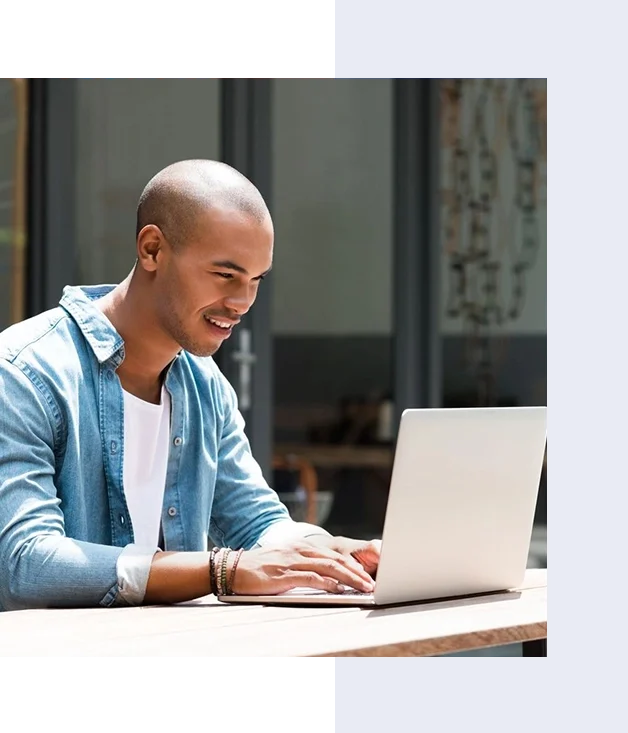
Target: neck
(147,349)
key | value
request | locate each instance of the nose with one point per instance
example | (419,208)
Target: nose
(240,301)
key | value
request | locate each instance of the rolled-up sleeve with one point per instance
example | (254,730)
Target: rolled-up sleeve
(40,566)
(133,569)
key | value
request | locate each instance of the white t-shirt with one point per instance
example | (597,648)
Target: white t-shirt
(146,447)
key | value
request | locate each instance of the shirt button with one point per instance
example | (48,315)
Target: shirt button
(178,440)
(172,512)
(121,519)
(109,374)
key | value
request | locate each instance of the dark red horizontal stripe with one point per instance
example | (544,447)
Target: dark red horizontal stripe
(147,27)
(189,4)
(166,49)
(211,64)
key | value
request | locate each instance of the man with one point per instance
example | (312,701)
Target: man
(121,446)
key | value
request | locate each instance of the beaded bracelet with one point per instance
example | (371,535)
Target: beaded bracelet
(223,571)
(219,555)
(233,571)
(220,585)
(212,570)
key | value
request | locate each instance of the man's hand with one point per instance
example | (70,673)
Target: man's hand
(366,552)
(306,564)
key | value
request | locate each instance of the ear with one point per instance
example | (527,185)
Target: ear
(150,245)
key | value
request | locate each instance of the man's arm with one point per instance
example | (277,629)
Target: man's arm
(39,565)
(247,513)
(41,568)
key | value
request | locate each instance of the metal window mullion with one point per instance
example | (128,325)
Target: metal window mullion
(51,238)
(246,145)
(416,245)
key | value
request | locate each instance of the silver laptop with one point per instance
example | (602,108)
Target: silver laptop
(460,509)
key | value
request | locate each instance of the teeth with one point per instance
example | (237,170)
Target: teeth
(220,323)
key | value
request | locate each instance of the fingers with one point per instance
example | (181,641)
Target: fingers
(305,579)
(349,562)
(365,552)
(336,569)
(368,555)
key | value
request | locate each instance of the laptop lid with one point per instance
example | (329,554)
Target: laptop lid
(462,500)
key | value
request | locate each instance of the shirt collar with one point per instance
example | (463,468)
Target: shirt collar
(104,340)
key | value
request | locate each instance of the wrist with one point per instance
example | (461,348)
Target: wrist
(223,565)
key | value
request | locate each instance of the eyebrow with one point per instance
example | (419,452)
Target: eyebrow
(228,265)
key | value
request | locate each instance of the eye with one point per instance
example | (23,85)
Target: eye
(224,275)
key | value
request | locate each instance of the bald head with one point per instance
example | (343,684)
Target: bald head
(173,199)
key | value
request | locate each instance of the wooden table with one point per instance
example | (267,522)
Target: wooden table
(208,628)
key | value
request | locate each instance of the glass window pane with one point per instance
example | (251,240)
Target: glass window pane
(13,148)
(332,299)
(128,130)
(494,268)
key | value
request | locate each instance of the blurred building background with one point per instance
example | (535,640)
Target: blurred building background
(410,261)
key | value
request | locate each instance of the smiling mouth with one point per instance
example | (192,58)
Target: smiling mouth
(221,324)
(219,327)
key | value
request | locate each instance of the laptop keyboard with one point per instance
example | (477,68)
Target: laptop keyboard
(314,592)
(353,592)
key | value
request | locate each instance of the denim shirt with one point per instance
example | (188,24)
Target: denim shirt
(66,537)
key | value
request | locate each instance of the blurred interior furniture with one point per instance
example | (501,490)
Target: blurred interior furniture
(350,447)
(307,479)
(339,456)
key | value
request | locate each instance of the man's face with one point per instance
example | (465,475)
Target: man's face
(206,285)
